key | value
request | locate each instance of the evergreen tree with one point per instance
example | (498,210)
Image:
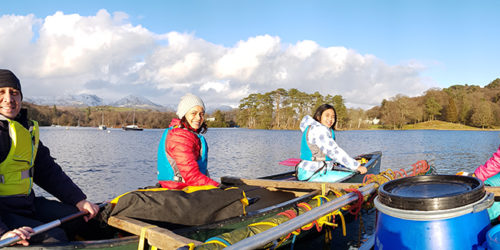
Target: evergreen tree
(219,120)
(451,111)
(432,108)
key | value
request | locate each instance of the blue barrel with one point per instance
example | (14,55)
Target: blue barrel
(493,238)
(432,212)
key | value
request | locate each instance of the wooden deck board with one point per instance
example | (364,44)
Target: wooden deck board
(159,237)
(285,184)
(307,185)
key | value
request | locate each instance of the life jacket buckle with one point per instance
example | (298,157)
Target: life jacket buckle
(27,173)
(178,178)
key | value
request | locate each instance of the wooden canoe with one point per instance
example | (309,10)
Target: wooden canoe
(277,193)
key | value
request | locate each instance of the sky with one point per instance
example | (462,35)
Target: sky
(225,50)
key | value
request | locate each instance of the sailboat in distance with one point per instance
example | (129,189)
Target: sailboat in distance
(102,126)
(132,127)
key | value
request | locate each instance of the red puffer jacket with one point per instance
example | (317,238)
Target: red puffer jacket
(184,147)
(490,168)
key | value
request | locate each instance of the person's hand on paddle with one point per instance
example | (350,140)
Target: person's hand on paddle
(23,233)
(90,207)
(362,169)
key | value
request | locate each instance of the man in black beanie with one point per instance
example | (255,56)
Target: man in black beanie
(26,162)
(9,80)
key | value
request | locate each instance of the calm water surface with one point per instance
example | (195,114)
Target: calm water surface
(106,164)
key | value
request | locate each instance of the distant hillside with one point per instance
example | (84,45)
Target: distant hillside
(211,109)
(439,125)
(86,100)
(82,100)
(132,101)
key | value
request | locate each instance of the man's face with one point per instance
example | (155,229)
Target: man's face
(10,102)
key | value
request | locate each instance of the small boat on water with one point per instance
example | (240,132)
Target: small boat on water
(102,126)
(132,127)
(272,195)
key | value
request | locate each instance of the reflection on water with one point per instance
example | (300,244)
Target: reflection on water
(106,164)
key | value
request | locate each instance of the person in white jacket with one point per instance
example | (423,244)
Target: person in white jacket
(319,151)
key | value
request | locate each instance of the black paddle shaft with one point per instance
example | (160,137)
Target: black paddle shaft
(47,226)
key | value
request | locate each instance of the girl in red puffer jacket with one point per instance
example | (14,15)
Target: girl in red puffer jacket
(182,153)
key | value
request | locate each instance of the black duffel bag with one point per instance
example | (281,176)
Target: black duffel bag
(191,206)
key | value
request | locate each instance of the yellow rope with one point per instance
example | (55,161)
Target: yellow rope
(272,224)
(391,173)
(143,236)
(343,221)
(318,198)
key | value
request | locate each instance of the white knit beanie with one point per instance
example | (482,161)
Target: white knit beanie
(187,102)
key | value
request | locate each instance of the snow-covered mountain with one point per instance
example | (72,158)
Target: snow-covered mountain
(136,102)
(131,101)
(85,100)
(70,100)
(211,109)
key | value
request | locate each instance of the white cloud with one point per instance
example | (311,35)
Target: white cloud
(304,49)
(243,60)
(108,56)
(217,86)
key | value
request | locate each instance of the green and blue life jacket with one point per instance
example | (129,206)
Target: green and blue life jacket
(311,152)
(167,167)
(16,171)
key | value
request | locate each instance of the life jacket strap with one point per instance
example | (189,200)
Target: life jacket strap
(24,174)
(27,173)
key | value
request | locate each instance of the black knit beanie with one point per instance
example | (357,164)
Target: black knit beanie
(8,79)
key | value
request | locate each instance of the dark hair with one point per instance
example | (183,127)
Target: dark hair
(321,109)
(202,130)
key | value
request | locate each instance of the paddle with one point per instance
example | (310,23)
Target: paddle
(292,162)
(47,226)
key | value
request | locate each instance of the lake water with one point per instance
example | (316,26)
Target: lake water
(108,163)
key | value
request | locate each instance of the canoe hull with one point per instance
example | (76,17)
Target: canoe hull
(372,166)
(273,199)
(125,243)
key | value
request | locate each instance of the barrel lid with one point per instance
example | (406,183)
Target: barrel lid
(431,192)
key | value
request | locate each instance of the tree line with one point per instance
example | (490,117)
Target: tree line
(95,116)
(283,109)
(114,117)
(465,104)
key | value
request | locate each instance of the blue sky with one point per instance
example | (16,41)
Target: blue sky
(380,47)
